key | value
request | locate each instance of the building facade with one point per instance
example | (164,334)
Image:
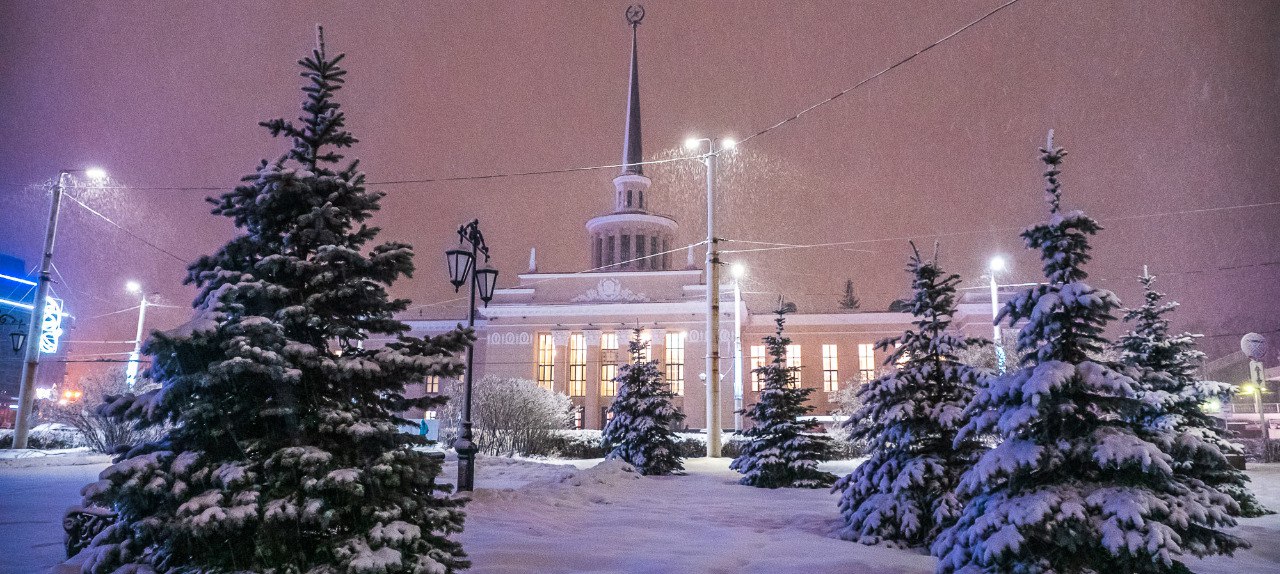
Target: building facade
(570,331)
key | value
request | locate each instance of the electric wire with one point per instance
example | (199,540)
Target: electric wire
(500,175)
(126,231)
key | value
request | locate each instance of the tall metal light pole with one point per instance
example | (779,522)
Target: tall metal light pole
(714,426)
(737,271)
(131,372)
(997,265)
(26,392)
(1255,347)
(462,269)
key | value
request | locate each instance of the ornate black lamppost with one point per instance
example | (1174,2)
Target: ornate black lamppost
(463,268)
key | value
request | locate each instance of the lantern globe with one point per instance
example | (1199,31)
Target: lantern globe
(459,261)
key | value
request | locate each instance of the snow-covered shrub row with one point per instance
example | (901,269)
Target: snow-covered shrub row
(509,415)
(98,430)
(47,436)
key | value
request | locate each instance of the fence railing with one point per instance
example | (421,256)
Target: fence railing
(1249,409)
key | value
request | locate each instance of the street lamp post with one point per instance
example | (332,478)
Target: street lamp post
(131,373)
(997,265)
(714,148)
(1255,348)
(737,271)
(463,269)
(26,390)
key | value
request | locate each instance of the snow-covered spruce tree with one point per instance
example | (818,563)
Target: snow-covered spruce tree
(1174,409)
(285,454)
(781,449)
(1072,486)
(904,494)
(641,431)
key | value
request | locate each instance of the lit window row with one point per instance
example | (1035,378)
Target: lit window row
(830,365)
(609,360)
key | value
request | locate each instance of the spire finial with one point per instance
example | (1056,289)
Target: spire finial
(632,153)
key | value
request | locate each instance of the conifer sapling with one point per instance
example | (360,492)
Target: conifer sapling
(904,494)
(641,430)
(782,449)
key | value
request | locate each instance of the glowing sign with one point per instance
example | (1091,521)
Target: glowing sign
(51,325)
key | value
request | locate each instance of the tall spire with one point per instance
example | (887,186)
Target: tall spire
(632,153)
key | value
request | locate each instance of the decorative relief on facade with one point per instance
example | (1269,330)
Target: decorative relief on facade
(592,338)
(695,336)
(611,290)
(510,338)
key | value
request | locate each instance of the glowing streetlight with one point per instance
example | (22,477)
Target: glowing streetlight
(96,174)
(27,388)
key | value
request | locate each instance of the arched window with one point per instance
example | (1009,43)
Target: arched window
(629,198)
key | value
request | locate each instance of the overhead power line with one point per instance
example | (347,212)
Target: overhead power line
(501,175)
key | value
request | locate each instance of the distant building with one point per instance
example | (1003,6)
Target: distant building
(569,331)
(1241,412)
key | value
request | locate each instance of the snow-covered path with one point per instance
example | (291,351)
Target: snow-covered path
(607,520)
(575,516)
(33,496)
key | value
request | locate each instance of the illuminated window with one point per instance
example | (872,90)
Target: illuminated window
(830,369)
(608,364)
(429,415)
(579,417)
(606,414)
(577,365)
(866,361)
(757,361)
(675,362)
(546,360)
(433,384)
(793,362)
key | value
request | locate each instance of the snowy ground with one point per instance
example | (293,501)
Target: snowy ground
(580,516)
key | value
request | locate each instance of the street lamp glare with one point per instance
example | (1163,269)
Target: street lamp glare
(692,144)
(728,143)
(96,174)
(738,270)
(997,263)
(133,287)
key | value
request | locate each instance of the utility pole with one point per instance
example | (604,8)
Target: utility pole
(714,426)
(27,390)
(131,372)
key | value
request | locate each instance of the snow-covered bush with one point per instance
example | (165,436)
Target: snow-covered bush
(1174,398)
(98,430)
(285,453)
(782,448)
(906,491)
(509,415)
(1074,484)
(643,416)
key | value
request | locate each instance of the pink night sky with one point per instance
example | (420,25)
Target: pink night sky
(1168,110)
